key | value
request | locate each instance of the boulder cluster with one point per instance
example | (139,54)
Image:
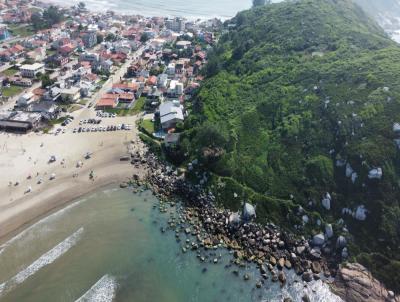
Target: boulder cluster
(266,245)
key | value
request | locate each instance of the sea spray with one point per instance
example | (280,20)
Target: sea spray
(44,260)
(103,291)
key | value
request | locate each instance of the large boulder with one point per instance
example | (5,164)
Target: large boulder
(354,283)
(326,201)
(375,173)
(361,213)
(328,231)
(349,170)
(396,127)
(234,220)
(319,239)
(249,212)
(341,242)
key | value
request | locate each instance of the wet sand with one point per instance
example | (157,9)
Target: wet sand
(25,159)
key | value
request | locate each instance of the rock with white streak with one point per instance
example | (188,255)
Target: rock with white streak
(375,173)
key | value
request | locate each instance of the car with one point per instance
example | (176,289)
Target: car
(75,130)
(80,130)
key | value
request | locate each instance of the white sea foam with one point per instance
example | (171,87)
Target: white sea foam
(103,291)
(317,291)
(44,260)
(47,219)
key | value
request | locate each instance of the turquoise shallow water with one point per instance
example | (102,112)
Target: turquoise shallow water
(109,247)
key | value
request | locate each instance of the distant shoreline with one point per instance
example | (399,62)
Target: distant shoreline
(103,6)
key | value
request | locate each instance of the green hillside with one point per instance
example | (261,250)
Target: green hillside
(294,92)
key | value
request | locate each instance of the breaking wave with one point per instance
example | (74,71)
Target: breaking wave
(47,219)
(103,291)
(44,260)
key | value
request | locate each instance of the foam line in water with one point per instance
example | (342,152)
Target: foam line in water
(102,291)
(40,222)
(44,260)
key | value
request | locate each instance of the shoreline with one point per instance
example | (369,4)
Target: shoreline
(52,207)
(24,165)
(132,12)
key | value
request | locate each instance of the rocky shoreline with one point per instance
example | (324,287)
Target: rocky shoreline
(271,249)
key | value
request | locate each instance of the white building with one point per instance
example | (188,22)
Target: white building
(31,70)
(171,69)
(170,114)
(70,94)
(25,99)
(176,24)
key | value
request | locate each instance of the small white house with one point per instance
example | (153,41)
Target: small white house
(170,114)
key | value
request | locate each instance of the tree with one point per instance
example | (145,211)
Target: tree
(81,5)
(36,20)
(52,15)
(100,38)
(144,38)
(46,81)
(111,37)
(260,2)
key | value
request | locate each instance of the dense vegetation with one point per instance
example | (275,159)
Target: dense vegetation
(294,92)
(47,19)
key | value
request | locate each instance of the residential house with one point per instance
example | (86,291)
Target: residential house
(89,39)
(170,114)
(20,81)
(71,94)
(31,70)
(108,101)
(175,89)
(37,55)
(49,110)
(57,60)
(176,24)
(4,33)
(26,99)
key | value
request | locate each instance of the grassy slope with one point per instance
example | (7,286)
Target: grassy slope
(283,114)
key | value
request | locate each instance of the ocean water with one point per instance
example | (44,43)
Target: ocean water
(109,247)
(223,9)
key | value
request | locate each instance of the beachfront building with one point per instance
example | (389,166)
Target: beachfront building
(20,122)
(31,70)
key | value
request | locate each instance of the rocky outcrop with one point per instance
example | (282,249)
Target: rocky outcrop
(355,283)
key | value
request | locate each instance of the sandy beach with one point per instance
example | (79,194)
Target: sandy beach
(24,159)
